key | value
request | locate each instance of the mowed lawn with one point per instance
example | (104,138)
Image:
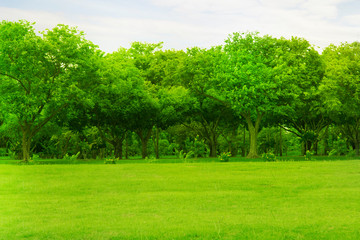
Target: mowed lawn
(254,200)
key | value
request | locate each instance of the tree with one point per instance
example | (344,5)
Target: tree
(196,74)
(121,101)
(301,70)
(42,73)
(143,55)
(341,87)
(175,102)
(244,79)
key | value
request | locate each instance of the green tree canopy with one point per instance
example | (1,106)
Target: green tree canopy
(245,79)
(341,88)
(42,73)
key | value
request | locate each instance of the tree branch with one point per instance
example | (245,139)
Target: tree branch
(18,80)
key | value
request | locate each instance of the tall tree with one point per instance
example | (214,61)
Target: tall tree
(301,70)
(341,88)
(123,102)
(143,55)
(175,102)
(245,80)
(42,73)
(196,74)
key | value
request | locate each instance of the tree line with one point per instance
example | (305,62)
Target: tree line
(58,90)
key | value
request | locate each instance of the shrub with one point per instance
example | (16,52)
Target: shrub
(269,157)
(351,153)
(225,157)
(110,160)
(197,146)
(151,159)
(72,158)
(339,146)
(308,155)
(184,157)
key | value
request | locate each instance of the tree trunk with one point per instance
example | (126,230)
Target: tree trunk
(280,143)
(26,143)
(356,147)
(253,142)
(213,149)
(244,144)
(253,133)
(326,136)
(65,147)
(156,143)
(212,143)
(315,147)
(118,148)
(303,148)
(144,141)
(144,152)
(126,146)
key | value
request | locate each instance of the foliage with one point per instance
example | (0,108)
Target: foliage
(151,160)
(60,95)
(269,157)
(225,157)
(309,155)
(41,74)
(110,160)
(197,146)
(339,146)
(245,80)
(184,157)
(71,158)
(340,88)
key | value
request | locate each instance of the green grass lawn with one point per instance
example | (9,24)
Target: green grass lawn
(236,200)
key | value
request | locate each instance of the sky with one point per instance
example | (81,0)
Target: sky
(182,24)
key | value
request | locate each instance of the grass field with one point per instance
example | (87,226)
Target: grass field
(236,200)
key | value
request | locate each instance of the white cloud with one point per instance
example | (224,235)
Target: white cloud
(186,23)
(43,19)
(353,20)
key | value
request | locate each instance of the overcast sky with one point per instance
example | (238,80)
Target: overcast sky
(187,23)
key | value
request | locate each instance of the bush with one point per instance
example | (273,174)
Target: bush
(351,153)
(333,152)
(308,155)
(339,147)
(225,157)
(184,157)
(110,160)
(71,159)
(269,157)
(151,160)
(198,146)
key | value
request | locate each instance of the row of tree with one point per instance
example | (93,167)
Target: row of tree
(58,78)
